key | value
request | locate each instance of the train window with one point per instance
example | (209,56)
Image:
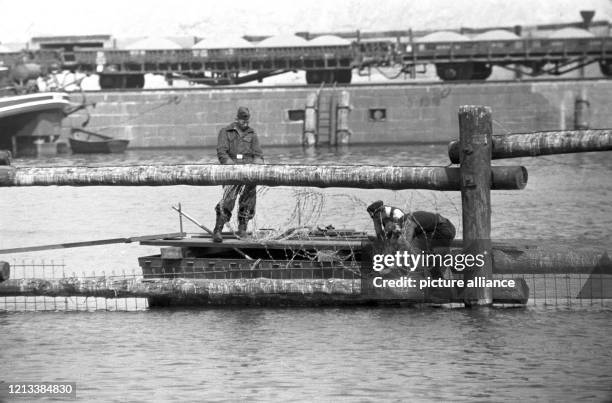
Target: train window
(377,114)
(296,114)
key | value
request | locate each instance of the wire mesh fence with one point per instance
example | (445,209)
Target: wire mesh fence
(28,270)
(290,270)
(569,290)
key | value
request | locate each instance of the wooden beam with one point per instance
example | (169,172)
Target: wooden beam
(542,143)
(509,257)
(475,136)
(250,243)
(110,287)
(255,291)
(363,176)
(89,243)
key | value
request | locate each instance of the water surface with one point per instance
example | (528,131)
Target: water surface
(410,354)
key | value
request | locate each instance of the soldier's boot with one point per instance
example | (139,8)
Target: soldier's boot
(242,227)
(217,236)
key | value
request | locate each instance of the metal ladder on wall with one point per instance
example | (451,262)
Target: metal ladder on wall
(327,103)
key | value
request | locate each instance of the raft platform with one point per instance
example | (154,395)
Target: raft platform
(321,267)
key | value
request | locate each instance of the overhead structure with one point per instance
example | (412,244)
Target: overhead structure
(328,58)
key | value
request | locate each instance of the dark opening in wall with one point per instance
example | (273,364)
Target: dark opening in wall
(377,114)
(296,114)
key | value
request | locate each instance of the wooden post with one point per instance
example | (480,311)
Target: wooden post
(475,137)
(309,137)
(343,109)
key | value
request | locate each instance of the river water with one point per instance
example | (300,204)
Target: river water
(539,352)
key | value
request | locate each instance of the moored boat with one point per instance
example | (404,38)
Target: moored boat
(88,142)
(30,124)
(38,102)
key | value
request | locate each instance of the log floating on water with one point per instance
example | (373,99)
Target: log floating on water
(109,287)
(257,291)
(542,143)
(364,176)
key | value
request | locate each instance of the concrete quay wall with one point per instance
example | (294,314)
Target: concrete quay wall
(412,113)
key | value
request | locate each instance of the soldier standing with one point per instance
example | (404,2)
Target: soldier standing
(237,144)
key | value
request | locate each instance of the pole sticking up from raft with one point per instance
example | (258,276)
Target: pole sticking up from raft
(193,220)
(180,218)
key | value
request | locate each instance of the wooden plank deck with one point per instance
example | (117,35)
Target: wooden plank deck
(313,243)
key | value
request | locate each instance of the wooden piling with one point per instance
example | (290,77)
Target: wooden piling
(309,137)
(363,176)
(475,136)
(543,143)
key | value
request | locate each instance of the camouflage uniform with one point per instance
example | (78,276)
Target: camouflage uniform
(420,229)
(427,230)
(238,145)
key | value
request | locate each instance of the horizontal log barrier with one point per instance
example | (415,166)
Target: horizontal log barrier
(543,143)
(109,287)
(256,291)
(363,176)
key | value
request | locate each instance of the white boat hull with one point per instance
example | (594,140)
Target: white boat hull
(44,101)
